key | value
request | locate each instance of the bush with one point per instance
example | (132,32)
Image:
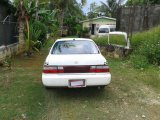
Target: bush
(31,40)
(139,61)
(151,49)
(114,39)
(118,40)
(37,25)
(148,44)
(85,32)
(101,41)
(79,30)
(54,30)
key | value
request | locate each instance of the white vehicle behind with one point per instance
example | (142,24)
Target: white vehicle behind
(105,29)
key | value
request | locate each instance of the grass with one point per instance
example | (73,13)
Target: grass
(21,90)
(147,43)
(118,39)
(129,95)
(141,37)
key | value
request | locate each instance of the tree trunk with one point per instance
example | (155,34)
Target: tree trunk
(61,23)
(37,2)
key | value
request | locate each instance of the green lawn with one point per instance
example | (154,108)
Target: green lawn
(132,95)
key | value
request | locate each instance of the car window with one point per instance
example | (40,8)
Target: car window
(103,30)
(75,47)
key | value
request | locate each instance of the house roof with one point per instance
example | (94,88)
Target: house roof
(103,17)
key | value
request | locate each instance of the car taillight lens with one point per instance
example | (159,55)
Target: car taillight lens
(61,69)
(53,69)
(99,69)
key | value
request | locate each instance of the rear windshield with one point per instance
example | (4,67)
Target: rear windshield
(75,47)
(104,30)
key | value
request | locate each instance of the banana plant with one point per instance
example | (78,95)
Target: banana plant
(31,41)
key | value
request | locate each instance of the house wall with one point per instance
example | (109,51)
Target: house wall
(98,23)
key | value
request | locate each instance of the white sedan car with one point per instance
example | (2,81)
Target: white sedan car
(74,63)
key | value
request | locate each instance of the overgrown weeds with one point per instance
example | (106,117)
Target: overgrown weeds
(113,39)
(147,44)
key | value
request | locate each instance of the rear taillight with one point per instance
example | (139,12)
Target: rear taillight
(99,69)
(53,69)
(77,69)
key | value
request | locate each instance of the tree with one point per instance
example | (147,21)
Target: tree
(24,13)
(94,10)
(111,6)
(66,7)
(29,11)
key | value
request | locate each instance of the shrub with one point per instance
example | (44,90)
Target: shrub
(32,43)
(118,39)
(79,30)
(139,61)
(85,32)
(101,41)
(114,39)
(148,44)
(37,25)
(54,30)
(151,49)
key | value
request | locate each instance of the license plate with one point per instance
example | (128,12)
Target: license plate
(76,83)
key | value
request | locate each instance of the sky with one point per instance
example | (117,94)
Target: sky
(86,7)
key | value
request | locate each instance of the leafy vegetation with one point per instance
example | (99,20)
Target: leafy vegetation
(37,17)
(37,25)
(148,44)
(47,16)
(113,39)
(67,10)
(110,7)
(139,61)
(79,30)
(146,47)
(85,32)
(32,42)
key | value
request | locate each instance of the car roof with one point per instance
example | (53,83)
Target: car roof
(67,39)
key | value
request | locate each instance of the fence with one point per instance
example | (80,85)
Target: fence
(138,18)
(8,33)
(11,34)
(8,26)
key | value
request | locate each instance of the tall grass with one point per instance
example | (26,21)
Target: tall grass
(141,37)
(103,41)
(148,44)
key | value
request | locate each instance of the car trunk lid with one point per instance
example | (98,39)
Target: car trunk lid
(76,60)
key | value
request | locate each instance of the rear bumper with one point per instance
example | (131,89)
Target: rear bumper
(62,80)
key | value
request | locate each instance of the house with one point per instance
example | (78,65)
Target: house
(94,24)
